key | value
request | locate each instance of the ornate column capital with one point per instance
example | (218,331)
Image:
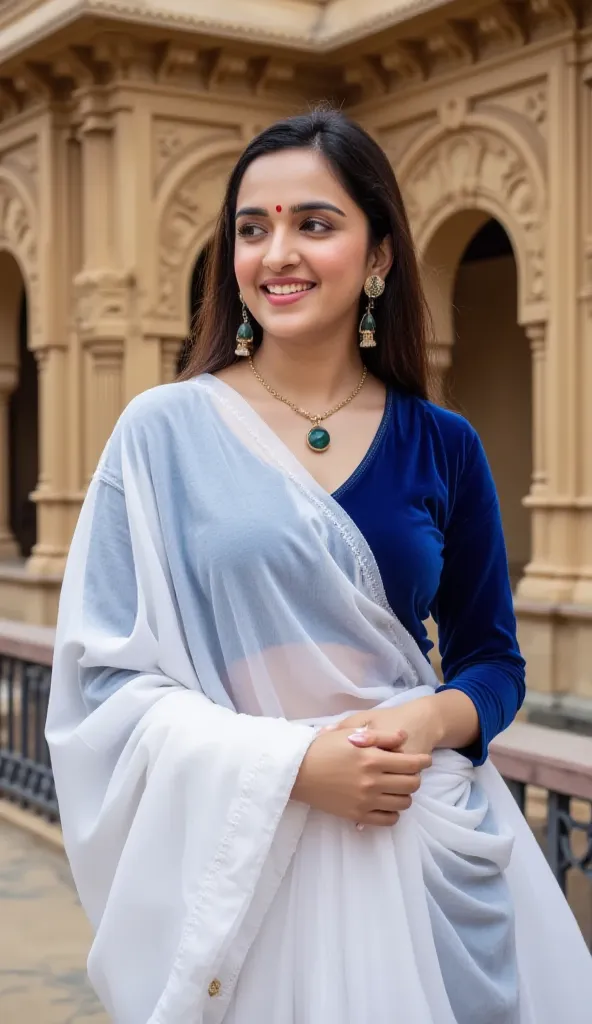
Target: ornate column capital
(93,114)
(103,305)
(536,332)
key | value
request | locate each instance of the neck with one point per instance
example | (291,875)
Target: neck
(322,370)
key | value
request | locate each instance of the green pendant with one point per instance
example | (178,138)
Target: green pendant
(318,439)
(244,333)
(368,324)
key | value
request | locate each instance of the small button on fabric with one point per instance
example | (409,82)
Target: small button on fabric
(214,988)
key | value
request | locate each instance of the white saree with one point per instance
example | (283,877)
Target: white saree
(217,607)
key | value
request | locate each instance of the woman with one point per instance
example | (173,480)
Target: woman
(273,813)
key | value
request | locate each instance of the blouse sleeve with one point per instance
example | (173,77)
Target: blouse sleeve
(474,607)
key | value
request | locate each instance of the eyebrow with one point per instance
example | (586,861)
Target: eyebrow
(315,204)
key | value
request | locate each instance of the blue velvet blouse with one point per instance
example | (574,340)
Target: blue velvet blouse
(425,500)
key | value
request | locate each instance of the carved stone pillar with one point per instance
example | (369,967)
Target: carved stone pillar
(548,577)
(8,545)
(534,582)
(104,292)
(104,299)
(105,396)
(440,355)
(583,588)
(50,551)
(170,351)
(536,334)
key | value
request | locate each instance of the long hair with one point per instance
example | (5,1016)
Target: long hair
(402,319)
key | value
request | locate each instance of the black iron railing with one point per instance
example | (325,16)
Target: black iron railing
(567,839)
(25,770)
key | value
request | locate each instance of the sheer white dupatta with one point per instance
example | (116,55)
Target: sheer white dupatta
(217,605)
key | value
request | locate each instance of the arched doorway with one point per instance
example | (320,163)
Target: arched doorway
(195,298)
(18,417)
(489,378)
(23,443)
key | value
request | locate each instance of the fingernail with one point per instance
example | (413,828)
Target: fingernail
(360,827)
(357,737)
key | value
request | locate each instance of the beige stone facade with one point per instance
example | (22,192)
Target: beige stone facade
(119,122)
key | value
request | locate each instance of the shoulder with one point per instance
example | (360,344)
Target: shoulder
(449,434)
(159,403)
(451,447)
(153,421)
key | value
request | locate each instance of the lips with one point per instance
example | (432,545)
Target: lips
(287,289)
(284,291)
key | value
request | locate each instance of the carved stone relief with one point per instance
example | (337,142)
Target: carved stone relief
(528,103)
(476,167)
(189,214)
(396,140)
(24,163)
(17,235)
(171,140)
(103,300)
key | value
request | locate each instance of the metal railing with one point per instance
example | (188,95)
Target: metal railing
(554,769)
(25,672)
(568,836)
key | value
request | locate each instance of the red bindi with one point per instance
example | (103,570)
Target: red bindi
(278,208)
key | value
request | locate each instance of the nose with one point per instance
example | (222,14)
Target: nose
(280,252)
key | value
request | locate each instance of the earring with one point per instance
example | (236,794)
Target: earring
(244,335)
(373,287)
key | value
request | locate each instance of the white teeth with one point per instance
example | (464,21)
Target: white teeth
(287,289)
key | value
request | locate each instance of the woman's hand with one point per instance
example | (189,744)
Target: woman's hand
(445,719)
(369,783)
(419,719)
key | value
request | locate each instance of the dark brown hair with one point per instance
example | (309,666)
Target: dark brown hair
(402,318)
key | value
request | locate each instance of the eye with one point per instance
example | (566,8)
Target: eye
(250,231)
(315,226)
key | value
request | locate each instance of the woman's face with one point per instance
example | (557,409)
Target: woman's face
(301,248)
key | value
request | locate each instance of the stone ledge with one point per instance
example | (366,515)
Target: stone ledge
(548,758)
(28,642)
(30,822)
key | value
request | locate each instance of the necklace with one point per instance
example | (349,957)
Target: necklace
(318,438)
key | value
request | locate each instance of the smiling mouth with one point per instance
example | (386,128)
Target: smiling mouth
(287,289)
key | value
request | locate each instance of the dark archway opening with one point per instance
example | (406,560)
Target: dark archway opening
(490,376)
(23,442)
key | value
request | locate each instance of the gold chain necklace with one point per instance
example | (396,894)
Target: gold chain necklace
(318,438)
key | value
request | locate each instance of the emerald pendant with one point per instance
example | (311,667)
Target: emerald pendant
(318,439)
(368,324)
(244,333)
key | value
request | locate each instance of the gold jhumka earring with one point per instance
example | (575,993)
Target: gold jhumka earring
(373,287)
(244,335)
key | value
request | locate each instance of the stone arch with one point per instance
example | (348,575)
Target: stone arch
(187,209)
(18,236)
(481,168)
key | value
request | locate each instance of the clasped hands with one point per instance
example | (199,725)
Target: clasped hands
(367,767)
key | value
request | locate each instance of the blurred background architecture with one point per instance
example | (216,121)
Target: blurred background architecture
(119,123)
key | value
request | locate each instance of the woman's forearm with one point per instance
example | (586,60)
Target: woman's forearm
(454,719)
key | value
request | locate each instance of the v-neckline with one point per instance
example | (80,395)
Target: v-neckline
(356,472)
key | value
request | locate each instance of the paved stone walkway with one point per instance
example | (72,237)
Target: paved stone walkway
(44,937)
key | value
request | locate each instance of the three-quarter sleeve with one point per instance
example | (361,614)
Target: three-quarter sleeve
(474,607)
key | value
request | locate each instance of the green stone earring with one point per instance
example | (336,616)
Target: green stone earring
(244,335)
(373,287)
